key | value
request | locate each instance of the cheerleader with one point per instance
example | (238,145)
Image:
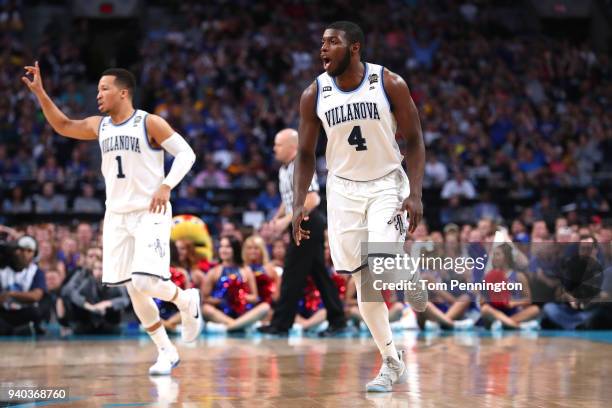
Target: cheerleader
(510,309)
(255,255)
(189,260)
(230,290)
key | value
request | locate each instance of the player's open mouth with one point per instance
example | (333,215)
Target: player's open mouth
(326,62)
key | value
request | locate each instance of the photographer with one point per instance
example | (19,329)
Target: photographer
(22,286)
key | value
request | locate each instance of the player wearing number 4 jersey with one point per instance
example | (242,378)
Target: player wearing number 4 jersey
(138,213)
(361,107)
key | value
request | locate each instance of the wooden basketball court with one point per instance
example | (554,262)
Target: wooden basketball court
(463,369)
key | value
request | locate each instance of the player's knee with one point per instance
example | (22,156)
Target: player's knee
(143,283)
(130,289)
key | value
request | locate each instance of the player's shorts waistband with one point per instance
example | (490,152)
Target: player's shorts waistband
(367,181)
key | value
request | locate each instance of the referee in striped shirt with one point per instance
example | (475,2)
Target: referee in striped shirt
(308,258)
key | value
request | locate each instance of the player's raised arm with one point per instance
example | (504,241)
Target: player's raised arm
(184,157)
(305,160)
(84,129)
(409,127)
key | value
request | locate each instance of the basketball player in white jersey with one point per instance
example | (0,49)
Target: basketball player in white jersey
(138,217)
(361,107)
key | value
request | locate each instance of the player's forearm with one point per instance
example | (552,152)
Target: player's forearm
(302,177)
(56,118)
(415,162)
(184,158)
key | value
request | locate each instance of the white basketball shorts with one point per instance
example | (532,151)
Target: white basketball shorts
(135,243)
(361,212)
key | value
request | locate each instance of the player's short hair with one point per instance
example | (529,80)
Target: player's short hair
(353,32)
(123,78)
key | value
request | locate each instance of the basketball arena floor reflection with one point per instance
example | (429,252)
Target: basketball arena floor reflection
(446,370)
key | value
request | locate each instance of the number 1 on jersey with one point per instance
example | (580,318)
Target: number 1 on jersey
(119,167)
(355,139)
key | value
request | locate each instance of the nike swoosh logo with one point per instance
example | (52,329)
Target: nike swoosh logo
(389,343)
(197,315)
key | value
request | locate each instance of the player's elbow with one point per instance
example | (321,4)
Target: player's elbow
(188,156)
(62,127)
(69,128)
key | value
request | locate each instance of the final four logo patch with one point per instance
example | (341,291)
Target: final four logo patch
(373,78)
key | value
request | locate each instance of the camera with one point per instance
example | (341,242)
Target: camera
(8,255)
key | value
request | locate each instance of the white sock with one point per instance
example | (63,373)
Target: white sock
(160,338)
(376,316)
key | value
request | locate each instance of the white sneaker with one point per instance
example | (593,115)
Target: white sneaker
(497,326)
(397,325)
(297,329)
(213,327)
(530,325)
(466,324)
(319,327)
(432,326)
(191,317)
(167,359)
(393,371)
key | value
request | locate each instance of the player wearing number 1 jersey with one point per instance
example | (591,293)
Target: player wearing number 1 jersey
(361,107)
(136,250)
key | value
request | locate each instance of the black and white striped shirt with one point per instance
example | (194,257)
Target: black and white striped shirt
(285,185)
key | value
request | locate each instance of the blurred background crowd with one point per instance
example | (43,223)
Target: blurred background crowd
(515,114)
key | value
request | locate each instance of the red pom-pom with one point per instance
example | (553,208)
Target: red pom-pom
(236,295)
(340,284)
(312,297)
(178,277)
(266,287)
(501,299)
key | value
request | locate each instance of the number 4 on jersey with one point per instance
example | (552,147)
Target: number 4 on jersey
(355,139)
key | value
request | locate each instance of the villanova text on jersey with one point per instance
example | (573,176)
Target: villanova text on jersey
(121,142)
(360,127)
(133,169)
(352,111)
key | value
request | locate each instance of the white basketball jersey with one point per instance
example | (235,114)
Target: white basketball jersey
(133,170)
(360,127)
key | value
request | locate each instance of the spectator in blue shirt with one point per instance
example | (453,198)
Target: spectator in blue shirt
(269,200)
